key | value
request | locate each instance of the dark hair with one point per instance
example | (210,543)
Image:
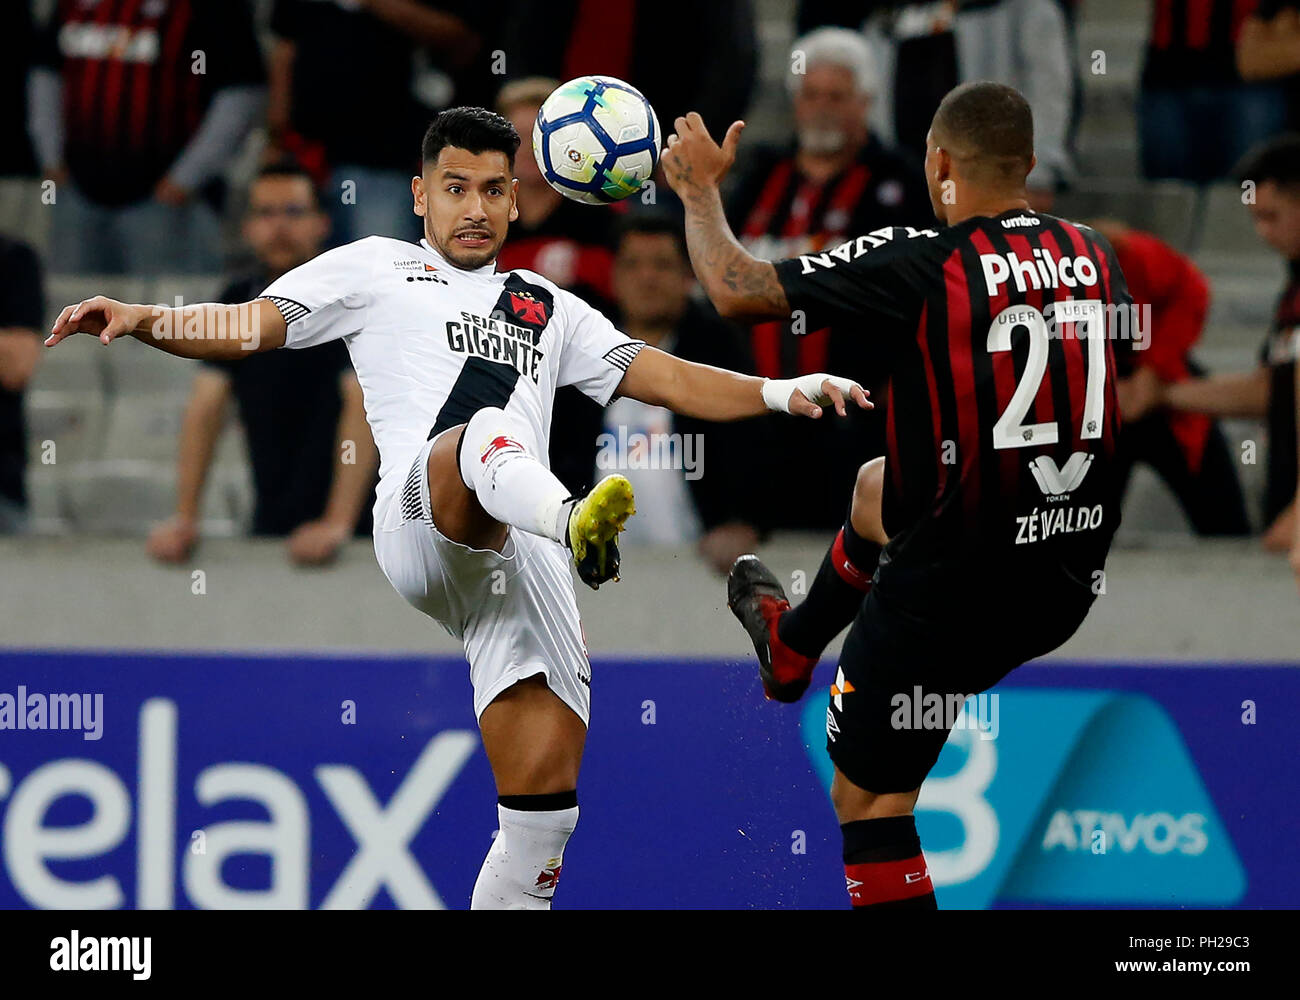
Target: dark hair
(290,168)
(651,224)
(477,130)
(990,126)
(1276,159)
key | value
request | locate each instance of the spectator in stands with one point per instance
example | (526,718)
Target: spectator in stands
(695,481)
(924,48)
(1268,50)
(560,239)
(342,99)
(21,211)
(684,55)
(312,456)
(1187,450)
(22,321)
(835,180)
(1197,115)
(569,243)
(1269,391)
(135,111)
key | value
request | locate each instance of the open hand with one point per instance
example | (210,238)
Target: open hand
(693,160)
(99,316)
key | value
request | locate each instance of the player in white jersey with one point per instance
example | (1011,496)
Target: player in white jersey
(459,364)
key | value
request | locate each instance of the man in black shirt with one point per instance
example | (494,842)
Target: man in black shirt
(1269,391)
(834,179)
(312,455)
(22,309)
(1197,115)
(976,543)
(342,79)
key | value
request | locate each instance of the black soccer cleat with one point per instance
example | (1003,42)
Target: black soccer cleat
(758,601)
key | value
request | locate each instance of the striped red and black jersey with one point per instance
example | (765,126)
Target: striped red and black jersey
(1001,410)
(138,76)
(1193,42)
(778,212)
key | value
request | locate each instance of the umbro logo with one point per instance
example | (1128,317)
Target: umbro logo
(840,688)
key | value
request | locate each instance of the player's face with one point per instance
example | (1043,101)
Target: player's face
(651,280)
(468,202)
(1276,214)
(830,112)
(284,226)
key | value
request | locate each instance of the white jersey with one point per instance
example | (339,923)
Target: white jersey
(432,343)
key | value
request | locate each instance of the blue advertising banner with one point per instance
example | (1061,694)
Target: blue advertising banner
(198,781)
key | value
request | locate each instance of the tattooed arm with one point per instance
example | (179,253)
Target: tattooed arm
(739,284)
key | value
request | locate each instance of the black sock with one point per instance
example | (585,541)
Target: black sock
(835,596)
(884,866)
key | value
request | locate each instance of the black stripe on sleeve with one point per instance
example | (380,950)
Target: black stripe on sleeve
(289,309)
(621,355)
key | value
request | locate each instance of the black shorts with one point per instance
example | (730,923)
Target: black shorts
(899,668)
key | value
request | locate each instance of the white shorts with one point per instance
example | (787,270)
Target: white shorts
(514,610)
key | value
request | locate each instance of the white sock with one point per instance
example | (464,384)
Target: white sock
(498,462)
(522,868)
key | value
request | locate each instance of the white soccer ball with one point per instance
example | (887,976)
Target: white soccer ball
(596,139)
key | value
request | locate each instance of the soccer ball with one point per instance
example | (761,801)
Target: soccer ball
(596,139)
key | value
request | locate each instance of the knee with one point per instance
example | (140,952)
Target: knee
(492,433)
(853,802)
(850,802)
(486,419)
(868,491)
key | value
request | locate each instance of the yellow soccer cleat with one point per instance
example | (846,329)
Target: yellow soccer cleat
(594,524)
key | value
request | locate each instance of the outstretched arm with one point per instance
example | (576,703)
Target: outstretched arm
(203,331)
(739,285)
(1234,394)
(710,393)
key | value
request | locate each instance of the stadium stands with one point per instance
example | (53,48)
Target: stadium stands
(115,413)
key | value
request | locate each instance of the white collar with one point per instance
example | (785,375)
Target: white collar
(486,271)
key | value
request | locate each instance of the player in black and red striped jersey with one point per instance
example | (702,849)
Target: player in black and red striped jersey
(979,540)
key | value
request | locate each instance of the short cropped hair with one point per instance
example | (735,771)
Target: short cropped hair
(989,128)
(290,168)
(651,223)
(529,90)
(476,130)
(1276,159)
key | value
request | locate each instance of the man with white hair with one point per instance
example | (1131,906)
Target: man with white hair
(834,180)
(924,48)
